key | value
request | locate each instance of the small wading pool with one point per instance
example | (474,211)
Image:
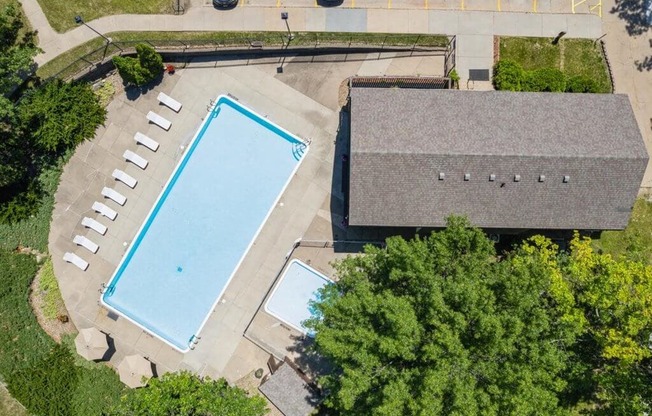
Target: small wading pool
(290,299)
(203,223)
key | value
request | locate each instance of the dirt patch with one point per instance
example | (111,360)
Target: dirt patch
(55,328)
(250,384)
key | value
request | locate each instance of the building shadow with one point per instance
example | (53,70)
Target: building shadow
(633,13)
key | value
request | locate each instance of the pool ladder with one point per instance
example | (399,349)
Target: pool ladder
(298,149)
(193,341)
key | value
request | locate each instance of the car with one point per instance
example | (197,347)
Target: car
(223,4)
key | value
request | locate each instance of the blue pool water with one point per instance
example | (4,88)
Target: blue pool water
(203,223)
(290,299)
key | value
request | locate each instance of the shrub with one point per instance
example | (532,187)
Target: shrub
(508,75)
(60,115)
(47,387)
(140,70)
(583,84)
(545,80)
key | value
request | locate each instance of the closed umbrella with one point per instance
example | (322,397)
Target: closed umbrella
(91,343)
(135,370)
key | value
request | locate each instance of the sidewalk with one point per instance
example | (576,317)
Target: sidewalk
(475,29)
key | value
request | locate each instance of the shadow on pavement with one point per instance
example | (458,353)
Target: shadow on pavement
(633,13)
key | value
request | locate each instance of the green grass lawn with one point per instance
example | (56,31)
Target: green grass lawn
(635,241)
(573,56)
(61,13)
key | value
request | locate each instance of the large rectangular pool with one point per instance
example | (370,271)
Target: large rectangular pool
(203,223)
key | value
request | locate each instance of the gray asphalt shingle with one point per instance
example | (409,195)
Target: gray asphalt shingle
(403,139)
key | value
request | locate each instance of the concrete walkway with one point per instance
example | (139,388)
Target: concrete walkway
(475,29)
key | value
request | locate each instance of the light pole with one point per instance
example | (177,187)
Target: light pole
(80,21)
(284,16)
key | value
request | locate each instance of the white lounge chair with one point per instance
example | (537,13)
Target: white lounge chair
(125,178)
(159,120)
(104,210)
(80,240)
(114,195)
(169,101)
(135,159)
(146,141)
(94,225)
(76,260)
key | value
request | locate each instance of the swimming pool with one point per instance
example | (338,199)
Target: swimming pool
(203,223)
(290,299)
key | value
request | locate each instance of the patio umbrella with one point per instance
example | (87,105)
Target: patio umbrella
(133,369)
(91,343)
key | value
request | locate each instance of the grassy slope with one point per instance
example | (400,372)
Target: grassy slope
(580,56)
(61,13)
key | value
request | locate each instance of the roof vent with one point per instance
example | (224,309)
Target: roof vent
(566,179)
(467,176)
(542,178)
(441,176)
(517,178)
(492,177)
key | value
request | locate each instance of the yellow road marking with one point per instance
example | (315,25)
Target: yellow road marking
(425,4)
(352,3)
(389,4)
(534,6)
(462,4)
(498,5)
(278,3)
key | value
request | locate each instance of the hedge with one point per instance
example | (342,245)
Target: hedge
(510,76)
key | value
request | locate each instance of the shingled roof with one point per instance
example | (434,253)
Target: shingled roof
(505,160)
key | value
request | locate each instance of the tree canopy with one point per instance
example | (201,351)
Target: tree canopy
(441,325)
(185,394)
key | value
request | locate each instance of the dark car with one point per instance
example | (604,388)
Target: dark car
(223,4)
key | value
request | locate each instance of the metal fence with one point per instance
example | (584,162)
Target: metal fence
(267,44)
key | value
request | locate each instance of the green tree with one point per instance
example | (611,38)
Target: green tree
(140,70)
(185,394)
(437,326)
(17,50)
(60,115)
(616,299)
(508,75)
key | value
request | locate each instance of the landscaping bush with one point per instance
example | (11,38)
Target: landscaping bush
(582,84)
(47,387)
(508,75)
(140,70)
(41,375)
(544,80)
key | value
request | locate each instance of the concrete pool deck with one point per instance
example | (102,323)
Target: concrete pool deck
(303,100)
